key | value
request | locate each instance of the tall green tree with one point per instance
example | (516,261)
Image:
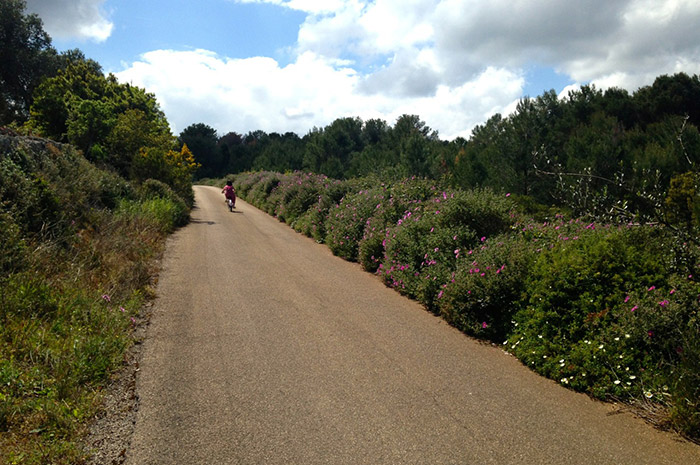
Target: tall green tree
(202,141)
(26,57)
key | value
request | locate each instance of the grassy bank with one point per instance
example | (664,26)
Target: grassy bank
(79,252)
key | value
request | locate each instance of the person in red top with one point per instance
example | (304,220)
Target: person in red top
(230,193)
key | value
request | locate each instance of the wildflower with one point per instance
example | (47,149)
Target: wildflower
(508,194)
(634,308)
(484,325)
(651,288)
(483,239)
(673,291)
(439,295)
(650,333)
(122,309)
(633,377)
(663,303)
(106,298)
(648,394)
(617,381)
(627,299)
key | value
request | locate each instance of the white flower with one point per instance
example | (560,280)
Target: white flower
(617,381)
(601,346)
(633,377)
(648,394)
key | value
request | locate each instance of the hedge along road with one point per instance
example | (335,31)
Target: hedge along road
(264,348)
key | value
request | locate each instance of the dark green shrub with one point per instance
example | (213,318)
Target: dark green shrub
(346,222)
(577,292)
(152,189)
(422,250)
(488,287)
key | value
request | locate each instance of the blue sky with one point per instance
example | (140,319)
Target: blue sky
(291,65)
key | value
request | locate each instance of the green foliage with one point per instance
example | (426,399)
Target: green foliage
(682,205)
(202,141)
(423,248)
(26,55)
(488,287)
(73,272)
(347,220)
(171,167)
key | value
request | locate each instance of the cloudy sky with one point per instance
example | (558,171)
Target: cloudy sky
(290,65)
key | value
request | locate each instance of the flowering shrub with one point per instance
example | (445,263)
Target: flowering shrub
(423,248)
(347,220)
(402,197)
(488,287)
(605,315)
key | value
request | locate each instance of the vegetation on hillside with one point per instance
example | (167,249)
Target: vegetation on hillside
(84,212)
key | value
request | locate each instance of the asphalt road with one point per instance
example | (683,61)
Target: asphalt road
(264,348)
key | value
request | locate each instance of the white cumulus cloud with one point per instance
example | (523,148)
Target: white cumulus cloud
(452,62)
(68,19)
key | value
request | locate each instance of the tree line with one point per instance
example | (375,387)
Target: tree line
(594,151)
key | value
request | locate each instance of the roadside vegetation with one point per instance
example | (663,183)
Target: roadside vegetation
(607,309)
(91,183)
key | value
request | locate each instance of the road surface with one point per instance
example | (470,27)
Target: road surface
(264,348)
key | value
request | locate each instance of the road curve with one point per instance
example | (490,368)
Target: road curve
(264,348)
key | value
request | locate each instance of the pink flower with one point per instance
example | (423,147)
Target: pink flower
(439,295)
(106,298)
(651,288)
(484,325)
(673,291)
(627,299)
(508,194)
(483,239)
(663,303)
